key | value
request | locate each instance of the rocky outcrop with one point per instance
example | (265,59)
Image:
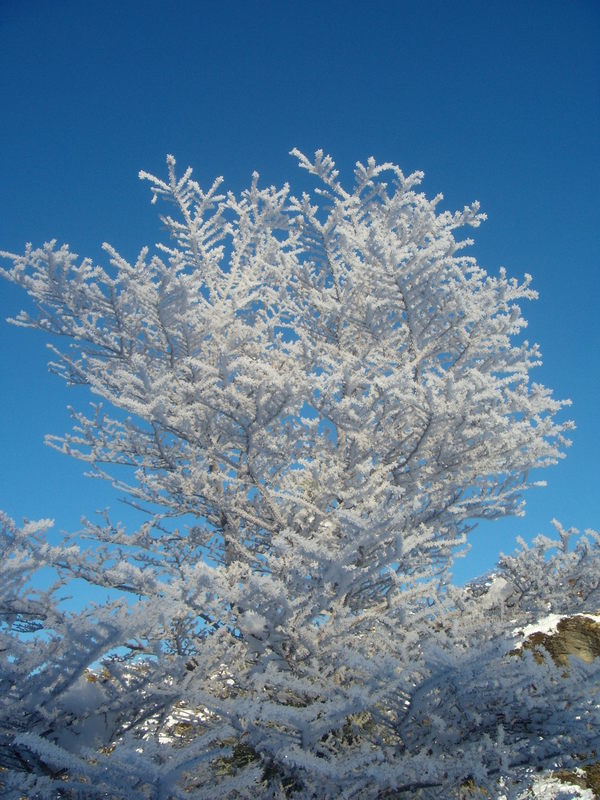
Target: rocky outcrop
(577,636)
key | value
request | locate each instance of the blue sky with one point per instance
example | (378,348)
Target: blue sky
(498,102)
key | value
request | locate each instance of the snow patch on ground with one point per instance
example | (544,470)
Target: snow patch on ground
(553,789)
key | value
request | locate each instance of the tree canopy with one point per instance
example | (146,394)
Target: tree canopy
(311,400)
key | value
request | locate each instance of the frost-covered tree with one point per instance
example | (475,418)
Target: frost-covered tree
(311,401)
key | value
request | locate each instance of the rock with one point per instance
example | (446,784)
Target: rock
(577,636)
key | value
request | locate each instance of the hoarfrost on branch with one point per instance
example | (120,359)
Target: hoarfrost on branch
(311,400)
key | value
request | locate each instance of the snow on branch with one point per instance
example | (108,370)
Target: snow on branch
(310,401)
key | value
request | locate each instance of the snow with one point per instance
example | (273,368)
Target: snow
(547,625)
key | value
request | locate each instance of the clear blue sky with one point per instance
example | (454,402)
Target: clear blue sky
(498,102)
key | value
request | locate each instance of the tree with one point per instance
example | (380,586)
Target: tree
(311,407)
